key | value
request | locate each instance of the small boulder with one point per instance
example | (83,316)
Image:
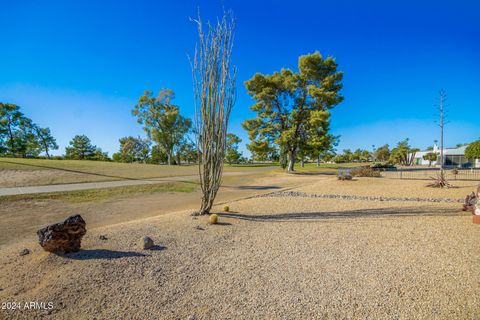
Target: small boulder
(146,243)
(63,237)
(24,252)
(103,237)
(470,202)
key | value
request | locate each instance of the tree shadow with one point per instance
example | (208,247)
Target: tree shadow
(157,248)
(101,254)
(313,173)
(309,216)
(258,187)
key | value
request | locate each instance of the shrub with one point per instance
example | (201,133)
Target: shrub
(344,177)
(365,172)
(382,165)
(226,208)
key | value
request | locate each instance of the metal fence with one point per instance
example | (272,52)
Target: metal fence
(429,173)
(421,173)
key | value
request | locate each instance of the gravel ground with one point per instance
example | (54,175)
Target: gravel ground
(270,258)
(389,188)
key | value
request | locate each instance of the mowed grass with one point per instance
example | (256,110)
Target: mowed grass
(15,172)
(325,168)
(105,194)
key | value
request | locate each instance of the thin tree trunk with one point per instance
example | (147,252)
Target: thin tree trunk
(291,161)
(10,134)
(318,161)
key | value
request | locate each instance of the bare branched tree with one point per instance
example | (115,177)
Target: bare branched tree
(441,181)
(215,94)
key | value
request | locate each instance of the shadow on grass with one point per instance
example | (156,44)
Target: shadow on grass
(94,173)
(382,212)
(313,173)
(102,254)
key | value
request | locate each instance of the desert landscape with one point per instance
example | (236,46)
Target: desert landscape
(239,160)
(289,247)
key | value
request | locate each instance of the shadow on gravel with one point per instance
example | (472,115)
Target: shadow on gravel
(157,248)
(258,187)
(105,254)
(382,212)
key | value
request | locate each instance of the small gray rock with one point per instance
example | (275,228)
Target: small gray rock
(24,252)
(146,243)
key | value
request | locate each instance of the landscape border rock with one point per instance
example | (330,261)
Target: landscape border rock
(355,197)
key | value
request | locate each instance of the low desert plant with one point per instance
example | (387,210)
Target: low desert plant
(226,208)
(440,181)
(365,172)
(344,177)
(213,218)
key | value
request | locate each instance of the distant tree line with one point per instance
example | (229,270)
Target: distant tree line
(402,154)
(168,137)
(169,140)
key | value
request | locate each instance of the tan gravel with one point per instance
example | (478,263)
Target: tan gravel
(389,187)
(270,258)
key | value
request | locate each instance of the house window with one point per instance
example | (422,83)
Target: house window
(457,161)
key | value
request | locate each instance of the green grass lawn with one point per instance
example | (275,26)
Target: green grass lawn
(105,194)
(325,168)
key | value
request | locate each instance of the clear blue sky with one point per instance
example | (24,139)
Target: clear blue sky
(78,67)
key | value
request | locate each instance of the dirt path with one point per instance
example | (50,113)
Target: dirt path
(21,219)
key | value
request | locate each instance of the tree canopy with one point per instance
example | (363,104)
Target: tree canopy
(132,150)
(430,157)
(81,148)
(293,107)
(162,121)
(473,150)
(382,153)
(403,153)
(20,136)
(232,155)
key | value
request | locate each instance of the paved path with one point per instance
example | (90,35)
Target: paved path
(100,185)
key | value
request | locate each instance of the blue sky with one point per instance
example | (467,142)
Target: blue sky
(78,67)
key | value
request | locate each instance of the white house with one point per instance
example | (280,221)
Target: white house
(452,157)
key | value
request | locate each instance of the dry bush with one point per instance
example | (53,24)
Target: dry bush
(365,172)
(344,177)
